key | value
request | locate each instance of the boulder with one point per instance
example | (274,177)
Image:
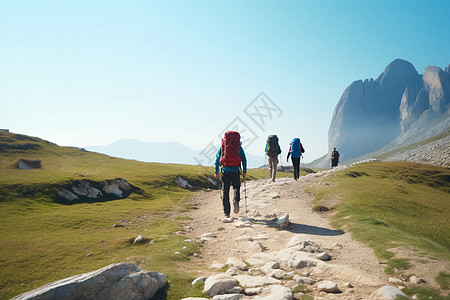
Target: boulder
(218,284)
(388,293)
(113,282)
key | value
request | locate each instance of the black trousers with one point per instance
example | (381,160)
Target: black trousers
(296,163)
(228,179)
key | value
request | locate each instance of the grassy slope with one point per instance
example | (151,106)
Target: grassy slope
(391,205)
(42,241)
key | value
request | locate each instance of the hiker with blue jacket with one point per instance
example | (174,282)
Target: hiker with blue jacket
(228,160)
(295,151)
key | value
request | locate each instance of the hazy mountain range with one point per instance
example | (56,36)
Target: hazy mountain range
(400,107)
(163,152)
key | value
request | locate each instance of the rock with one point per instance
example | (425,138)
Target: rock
(217,266)
(416,280)
(247,281)
(388,293)
(270,266)
(291,259)
(67,195)
(236,262)
(282,222)
(115,282)
(194,298)
(328,287)
(241,224)
(199,280)
(253,291)
(257,247)
(228,220)
(323,256)
(279,292)
(278,274)
(139,239)
(218,283)
(304,280)
(232,271)
(395,280)
(183,183)
(228,297)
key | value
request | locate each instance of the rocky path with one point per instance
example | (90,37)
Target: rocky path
(269,258)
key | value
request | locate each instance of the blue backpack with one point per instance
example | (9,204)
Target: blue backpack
(295,148)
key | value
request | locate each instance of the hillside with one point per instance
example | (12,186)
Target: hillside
(36,230)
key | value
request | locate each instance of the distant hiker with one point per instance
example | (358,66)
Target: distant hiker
(272,151)
(334,158)
(229,158)
(295,151)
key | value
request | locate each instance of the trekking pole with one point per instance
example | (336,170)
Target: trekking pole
(245,196)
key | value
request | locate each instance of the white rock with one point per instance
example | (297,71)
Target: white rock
(277,274)
(228,297)
(270,266)
(388,293)
(238,263)
(217,265)
(247,281)
(253,291)
(395,280)
(199,280)
(328,286)
(218,283)
(323,256)
(283,222)
(241,224)
(279,292)
(115,282)
(416,280)
(139,239)
(304,280)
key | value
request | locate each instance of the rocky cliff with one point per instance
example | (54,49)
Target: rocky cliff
(399,107)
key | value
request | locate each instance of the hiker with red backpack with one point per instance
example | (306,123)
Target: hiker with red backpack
(229,158)
(295,151)
(272,151)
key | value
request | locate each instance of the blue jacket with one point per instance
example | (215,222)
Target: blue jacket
(231,169)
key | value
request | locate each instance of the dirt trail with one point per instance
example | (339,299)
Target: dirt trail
(270,199)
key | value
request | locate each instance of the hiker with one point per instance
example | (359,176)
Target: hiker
(229,158)
(272,151)
(334,158)
(295,151)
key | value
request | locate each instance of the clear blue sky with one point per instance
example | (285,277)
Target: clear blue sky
(82,73)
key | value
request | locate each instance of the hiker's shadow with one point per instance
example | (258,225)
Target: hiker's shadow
(313,230)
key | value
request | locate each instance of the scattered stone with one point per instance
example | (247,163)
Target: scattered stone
(221,229)
(241,224)
(282,222)
(278,274)
(395,280)
(323,256)
(416,280)
(236,262)
(183,183)
(216,266)
(118,225)
(279,292)
(328,286)
(114,282)
(140,239)
(270,266)
(247,281)
(232,271)
(218,283)
(199,280)
(253,291)
(228,297)
(257,247)
(304,280)
(388,293)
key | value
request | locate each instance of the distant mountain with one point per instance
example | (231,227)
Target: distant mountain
(398,108)
(163,152)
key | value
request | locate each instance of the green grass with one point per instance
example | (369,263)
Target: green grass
(43,241)
(444,280)
(390,205)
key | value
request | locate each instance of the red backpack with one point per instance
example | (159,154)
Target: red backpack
(231,149)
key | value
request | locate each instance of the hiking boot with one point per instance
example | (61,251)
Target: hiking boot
(235,207)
